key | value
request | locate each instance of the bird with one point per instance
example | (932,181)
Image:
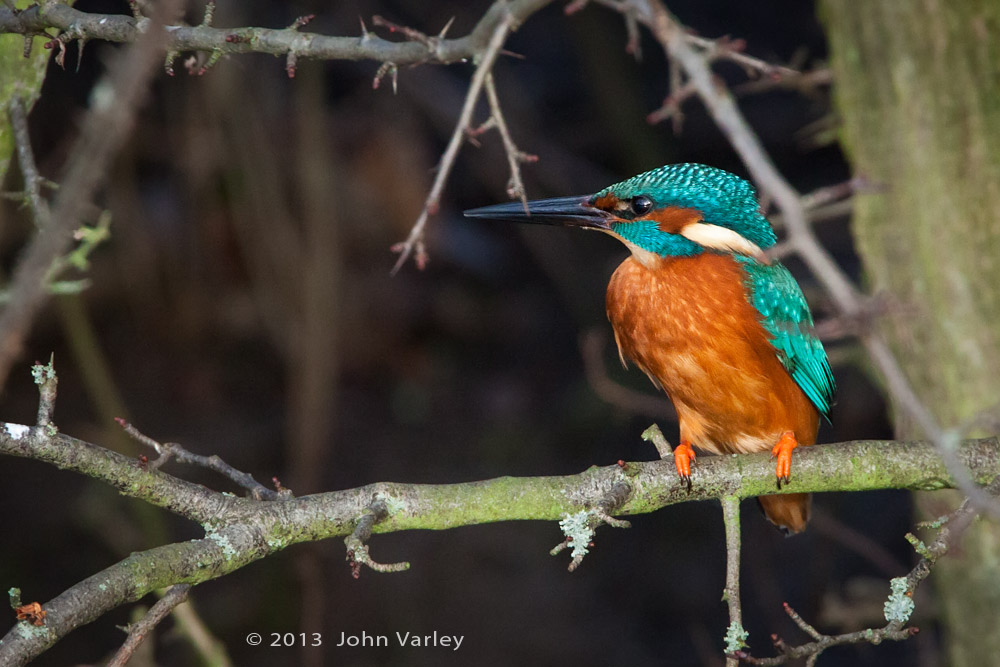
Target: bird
(702,310)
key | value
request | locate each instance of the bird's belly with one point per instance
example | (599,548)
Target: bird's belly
(690,327)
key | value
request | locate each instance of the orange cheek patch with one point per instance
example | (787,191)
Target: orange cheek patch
(607,202)
(672,219)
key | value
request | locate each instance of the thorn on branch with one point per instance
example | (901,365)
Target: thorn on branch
(365,34)
(433,44)
(80,44)
(357,550)
(290,64)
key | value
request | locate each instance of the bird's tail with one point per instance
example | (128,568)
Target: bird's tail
(789,512)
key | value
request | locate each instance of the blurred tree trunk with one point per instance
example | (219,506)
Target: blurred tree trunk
(21,77)
(918,88)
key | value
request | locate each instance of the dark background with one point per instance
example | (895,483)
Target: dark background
(244,307)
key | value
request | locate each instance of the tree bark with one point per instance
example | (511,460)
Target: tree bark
(918,89)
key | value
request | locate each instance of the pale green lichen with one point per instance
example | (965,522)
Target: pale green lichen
(42,373)
(29,631)
(919,546)
(736,638)
(899,606)
(228,550)
(577,528)
(277,542)
(393,505)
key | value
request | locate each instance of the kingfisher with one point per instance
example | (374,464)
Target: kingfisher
(699,307)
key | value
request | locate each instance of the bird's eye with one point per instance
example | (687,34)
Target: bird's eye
(641,205)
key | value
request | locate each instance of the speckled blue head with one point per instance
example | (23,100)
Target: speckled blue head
(723,199)
(679,210)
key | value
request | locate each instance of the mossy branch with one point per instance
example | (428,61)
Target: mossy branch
(241,530)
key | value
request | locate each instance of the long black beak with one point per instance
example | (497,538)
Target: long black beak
(568,211)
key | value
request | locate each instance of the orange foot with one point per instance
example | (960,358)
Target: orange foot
(783,451)
(683,458)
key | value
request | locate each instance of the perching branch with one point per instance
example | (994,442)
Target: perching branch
(242,530)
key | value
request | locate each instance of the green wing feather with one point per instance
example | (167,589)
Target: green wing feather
(786,317)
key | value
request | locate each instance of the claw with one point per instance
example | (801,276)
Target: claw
(683,458)
(783,452)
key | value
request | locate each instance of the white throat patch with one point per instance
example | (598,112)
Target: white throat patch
(722,238)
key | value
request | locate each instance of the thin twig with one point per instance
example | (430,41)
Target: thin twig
(951,528)
(414,243)
(805,83)
(725,48)
(26,160)
(736,636)
(515,156)
(170,450)
(357,550)
(654,435)
(137,632)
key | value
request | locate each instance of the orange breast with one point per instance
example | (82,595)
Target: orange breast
(687,324)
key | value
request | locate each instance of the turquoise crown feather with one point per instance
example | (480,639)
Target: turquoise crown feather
(723,198)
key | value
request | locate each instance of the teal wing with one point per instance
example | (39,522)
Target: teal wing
(786,317)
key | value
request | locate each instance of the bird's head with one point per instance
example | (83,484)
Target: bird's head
(679,210)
